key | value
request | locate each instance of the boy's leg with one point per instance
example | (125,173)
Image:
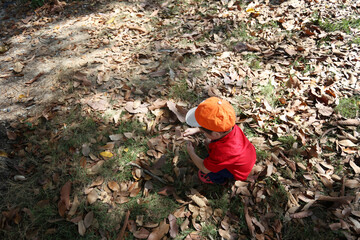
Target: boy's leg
(220,177)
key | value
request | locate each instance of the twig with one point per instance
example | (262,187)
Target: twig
(148,172)
(122,232)
(35,78)
(347,122)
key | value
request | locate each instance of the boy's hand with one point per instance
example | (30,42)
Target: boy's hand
(189,147)
(191,131)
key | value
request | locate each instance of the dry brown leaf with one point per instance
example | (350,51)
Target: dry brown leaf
(302,214)
(179,111)
(200,202)
(224,234)
(116,137)
(347,143)
(95,168)
(65,194)
(11,135)
(159,232)
(75,204)
(98,181)
(98,105)
(114,186)
(92,196)
(85,150)
(174,228)
(142,233)
(18,67)
(81,228)
(185,225)
(248,221)
(159,103)
(352,183)
(323,110)
(133,107)
(88,220)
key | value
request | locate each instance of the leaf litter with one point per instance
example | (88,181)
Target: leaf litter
(282,70)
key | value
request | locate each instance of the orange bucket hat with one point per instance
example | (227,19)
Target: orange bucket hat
(214,114)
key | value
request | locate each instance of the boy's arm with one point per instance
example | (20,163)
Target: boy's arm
(191,131)
(199,162)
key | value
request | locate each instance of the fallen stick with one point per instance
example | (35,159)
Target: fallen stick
(347,122)
(344,199)
(148,172)
(122,232)
(35,78)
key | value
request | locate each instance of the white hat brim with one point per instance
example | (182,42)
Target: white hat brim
(190,118)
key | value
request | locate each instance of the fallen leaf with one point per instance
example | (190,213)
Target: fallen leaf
(174,229)
(88,220)
(132,107)
(114,186)
(185,225)
(95,168)
(65,194)
(92,197)
(85,150)
(18,67)
(98,181)
(355,167)
(11,135)
(75,204)
(142,233)
(159,232)
(347,143)
(225,234)
(352,183)
(323,110)
(302,214)
(81,228)
(179,111)
(200,202)
(106,155)
(116,137)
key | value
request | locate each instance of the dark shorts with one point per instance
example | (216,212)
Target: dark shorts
(220,177)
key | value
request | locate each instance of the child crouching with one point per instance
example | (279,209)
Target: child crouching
(230,154)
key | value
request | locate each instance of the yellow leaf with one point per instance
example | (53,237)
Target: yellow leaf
(126,149)
(250,10)
(111,20)
(106,154)
(3,154)
(258,100)
(21,96)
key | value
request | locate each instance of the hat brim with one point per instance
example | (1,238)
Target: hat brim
(190,118)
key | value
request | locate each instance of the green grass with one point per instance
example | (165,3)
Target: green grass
(348,107)
(253,61)
(208,231)
(307,230)
(240,33)
(261,154)
(268,92)
(343,25)
(355,40)
(277,198)
(180,90)
(287,141)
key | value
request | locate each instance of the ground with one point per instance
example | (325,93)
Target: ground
(90,88)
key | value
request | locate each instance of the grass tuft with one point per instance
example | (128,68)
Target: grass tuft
(348,107)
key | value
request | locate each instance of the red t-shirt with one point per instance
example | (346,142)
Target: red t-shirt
(233,152)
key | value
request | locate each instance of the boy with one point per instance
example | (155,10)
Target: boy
(231,155)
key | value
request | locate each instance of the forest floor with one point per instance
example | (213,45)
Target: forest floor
(93,96)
